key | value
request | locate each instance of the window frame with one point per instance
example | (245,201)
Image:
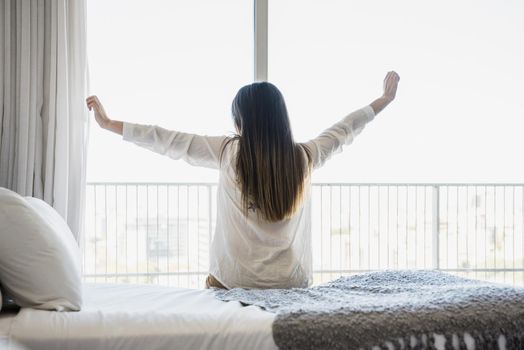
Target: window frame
(260,34)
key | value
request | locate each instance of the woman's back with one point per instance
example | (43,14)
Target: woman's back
(250,251)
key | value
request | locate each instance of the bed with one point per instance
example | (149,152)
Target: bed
(377,310)
(125,316)
(422,309)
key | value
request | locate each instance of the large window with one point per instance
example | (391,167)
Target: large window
(457,118)
(177,64)
(459,112)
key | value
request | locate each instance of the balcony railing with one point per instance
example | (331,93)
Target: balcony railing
(161,232)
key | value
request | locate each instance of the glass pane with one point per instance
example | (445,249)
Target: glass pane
(177,64)
(458,113)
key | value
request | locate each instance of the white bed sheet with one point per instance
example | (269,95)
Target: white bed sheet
(121,316)
(6,318)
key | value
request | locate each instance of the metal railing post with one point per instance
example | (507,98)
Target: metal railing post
(210,215)
(436,226)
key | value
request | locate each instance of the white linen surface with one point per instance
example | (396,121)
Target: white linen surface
(123,316)
(6,318)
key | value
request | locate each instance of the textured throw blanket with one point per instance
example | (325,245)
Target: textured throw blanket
(393,310)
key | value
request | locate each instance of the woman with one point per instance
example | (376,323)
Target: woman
(263,232)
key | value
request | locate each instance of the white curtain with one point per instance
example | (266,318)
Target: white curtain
(43,119)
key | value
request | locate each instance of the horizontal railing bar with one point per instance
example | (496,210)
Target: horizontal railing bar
(145,274)
(483,270)
(415,269)
(101,183)
(413,184)
(152,183)
(345,271)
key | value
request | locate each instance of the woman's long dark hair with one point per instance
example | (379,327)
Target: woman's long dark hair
(271,168)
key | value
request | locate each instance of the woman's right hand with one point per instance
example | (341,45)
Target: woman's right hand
(390,85)
(100,114)
(390,90)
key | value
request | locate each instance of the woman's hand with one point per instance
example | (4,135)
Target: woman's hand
(390,85)
(390,90)
(100,114)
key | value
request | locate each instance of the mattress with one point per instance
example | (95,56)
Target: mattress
(124,316)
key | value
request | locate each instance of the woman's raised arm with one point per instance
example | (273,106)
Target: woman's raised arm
(333,139)
(198,150)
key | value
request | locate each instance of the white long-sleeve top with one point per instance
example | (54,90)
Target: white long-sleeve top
(251,252)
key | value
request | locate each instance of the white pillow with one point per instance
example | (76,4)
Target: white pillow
(51,216)
(39,259)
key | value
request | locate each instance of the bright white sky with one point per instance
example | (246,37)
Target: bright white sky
(459,111)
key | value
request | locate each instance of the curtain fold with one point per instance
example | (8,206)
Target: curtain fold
(43,119)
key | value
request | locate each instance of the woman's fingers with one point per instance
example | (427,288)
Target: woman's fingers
(390,84)
(390,78)
(92,105)
(392,75)
(92,101)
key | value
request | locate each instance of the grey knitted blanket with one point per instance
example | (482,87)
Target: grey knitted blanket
(393,310)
